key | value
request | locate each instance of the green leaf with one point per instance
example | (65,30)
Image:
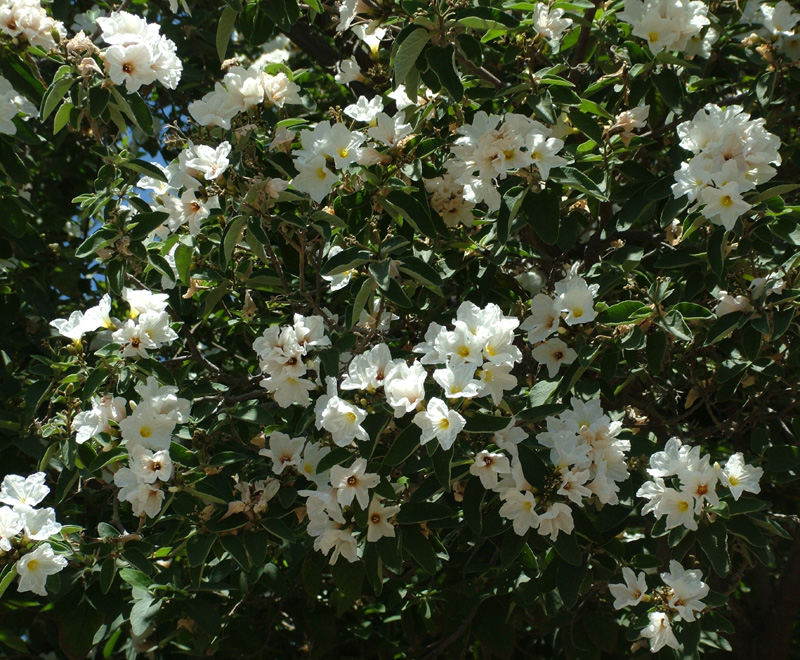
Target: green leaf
(713,541)
(673,323)
(624,312)
(54,95)
(62,116)
(235,548)
(542,212)
(12,164)
(570,580)
(573,177)
(380,272)
(587,125)
(7,576)
(102,237)
(363,286)
(419,512)
(232,236)
(670,88)
(336,456)
(198,547)
(225,27)
(136,579)
(421,272)
(141,113)
(397,295)
(485,18)
(566,546)
(143,167)
(98,101)
(482,423)
(418,216)
(142,613)
(408,51)
(345,260)
(692,311)
(108,571)
(724,325)
(146,223)
(404,445)
(279,528)
(418,548)
(441,60)
(284,13)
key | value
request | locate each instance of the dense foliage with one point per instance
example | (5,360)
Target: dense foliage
(399,329)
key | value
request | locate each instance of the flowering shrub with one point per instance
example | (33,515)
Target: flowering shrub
(381,328)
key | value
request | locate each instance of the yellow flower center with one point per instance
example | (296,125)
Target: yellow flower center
(726,201)
(350,417)
(321,175)
(527,505)
(444,423)
(683,506)
(733,481)
(145,432)
(463,351)
(652,37)
(577,312)
(33,564)
(343,152)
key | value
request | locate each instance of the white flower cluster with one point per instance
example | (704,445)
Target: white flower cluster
(336,146)
(240,90)
(22,526)
(698,479)
(138,55)
(149,328)
(146,433)
(489,150)
(574,302)
(478,355)
(336,488)
(183,196)
(585,447)
(680,597)
(27,20)
(732,154)
(778,23)
(665,24)
(11,105)
(281,352)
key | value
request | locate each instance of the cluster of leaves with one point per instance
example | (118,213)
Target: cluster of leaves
(456,578)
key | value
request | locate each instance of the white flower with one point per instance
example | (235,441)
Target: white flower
(309,460)
(40,524)
(728,304)
(457,381)
(34,568)
(145,498)
(23,492)
(678,507)
(353,482)
(283,451)
(90,423)
(659,631)
(390,130)
(572,485)
(341,541)
(553,353)
(347,71)
(440,423)
(543,320)
(339,417)
(549,22)
(150,466)
(211,162)
(147,428)
(11,524)
(378,520)
(556,519)
(404,386)
(289,390)
(739,477)
(520,509)
(364,109)
(163,400)
(687,590)
(495,379)
(632,592)
(130,66)
(575,298)
(488,466)
(315,178)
